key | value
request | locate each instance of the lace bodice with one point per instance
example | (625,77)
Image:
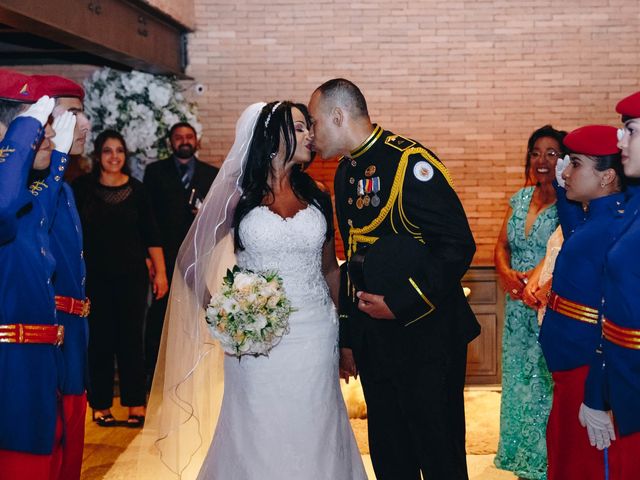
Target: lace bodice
(292,246)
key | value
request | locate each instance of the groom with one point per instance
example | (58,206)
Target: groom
(404,321)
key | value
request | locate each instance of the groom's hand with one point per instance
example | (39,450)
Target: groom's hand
(374,306)
(347,365)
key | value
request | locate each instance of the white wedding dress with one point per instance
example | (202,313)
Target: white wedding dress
(283,416)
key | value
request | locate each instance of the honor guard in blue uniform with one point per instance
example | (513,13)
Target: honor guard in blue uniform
(403,313)
(30,337)
(69,279)
(571,333)
(620,311)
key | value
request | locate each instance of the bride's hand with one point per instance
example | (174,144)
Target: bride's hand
(347,366)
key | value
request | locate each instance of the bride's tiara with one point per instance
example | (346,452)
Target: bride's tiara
(266,122)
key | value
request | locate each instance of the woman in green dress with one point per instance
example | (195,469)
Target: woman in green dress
(526,383)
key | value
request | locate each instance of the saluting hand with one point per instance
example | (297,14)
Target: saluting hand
(374,306)
(40,110)
(64,126)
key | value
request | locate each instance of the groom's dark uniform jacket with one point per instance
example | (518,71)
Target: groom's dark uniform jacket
(416,200)
(395,202)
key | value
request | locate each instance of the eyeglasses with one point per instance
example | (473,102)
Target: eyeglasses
(550,155)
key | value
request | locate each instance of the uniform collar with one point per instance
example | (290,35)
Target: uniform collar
(368,143)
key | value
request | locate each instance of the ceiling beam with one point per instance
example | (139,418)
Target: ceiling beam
(121,32)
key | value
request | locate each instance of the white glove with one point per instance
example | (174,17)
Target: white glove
(64,126)
(40,110)
(561,164)
(599,426)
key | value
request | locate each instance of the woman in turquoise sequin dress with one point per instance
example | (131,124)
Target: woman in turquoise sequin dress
(526,382)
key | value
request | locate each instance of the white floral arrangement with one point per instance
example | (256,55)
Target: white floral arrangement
(141,106)
(250,314)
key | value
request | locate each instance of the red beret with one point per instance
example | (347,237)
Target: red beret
(56,86)
(629,106)
(18,87)
(593,140)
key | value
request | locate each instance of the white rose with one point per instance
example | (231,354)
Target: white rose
(243,282)
(273,301)
(260,321)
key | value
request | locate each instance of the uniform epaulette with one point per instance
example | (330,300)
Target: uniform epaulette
(398,142)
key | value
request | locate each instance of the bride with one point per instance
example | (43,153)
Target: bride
(282,416)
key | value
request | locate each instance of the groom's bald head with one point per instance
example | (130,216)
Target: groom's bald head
(342,93)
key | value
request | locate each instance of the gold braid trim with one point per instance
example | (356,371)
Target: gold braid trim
(411,228)
(37,186)
(438,164)
(359,235)
(356,234)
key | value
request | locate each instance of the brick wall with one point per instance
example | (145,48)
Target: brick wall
(469,79)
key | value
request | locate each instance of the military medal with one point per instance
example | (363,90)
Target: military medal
(371,169)
(375,188)
(367,190)
(360,200)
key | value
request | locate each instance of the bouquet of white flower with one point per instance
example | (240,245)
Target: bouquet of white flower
(250,315)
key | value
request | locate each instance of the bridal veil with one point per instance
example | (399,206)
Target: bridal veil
(188,384)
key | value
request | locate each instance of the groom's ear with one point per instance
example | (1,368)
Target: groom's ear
(337,116)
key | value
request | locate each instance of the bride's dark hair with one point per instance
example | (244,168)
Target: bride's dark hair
(275,124)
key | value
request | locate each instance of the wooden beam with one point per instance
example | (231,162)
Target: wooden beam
(117,30)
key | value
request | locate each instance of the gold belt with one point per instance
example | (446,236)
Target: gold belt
(621,336)
(572,309)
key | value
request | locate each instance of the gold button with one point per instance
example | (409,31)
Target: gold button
(350,201)
(350,222)
(352,180)
(353,163)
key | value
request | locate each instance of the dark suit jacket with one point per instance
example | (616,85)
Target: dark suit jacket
(170,201)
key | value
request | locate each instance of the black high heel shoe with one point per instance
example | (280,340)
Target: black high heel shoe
(104,420)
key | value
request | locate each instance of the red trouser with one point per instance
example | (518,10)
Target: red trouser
(21,465)
(570,455)
(74,409)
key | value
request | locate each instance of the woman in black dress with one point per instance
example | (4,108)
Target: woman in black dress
(120,237)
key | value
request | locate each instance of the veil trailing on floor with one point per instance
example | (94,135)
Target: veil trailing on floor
(188,384)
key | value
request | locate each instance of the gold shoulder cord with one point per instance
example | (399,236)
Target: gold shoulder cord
(358,235)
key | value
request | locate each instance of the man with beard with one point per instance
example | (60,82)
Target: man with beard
(176,186)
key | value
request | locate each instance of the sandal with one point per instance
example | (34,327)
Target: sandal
(135,421)
(105,420)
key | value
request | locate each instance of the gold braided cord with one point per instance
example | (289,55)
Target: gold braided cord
(396,187)
(436,163)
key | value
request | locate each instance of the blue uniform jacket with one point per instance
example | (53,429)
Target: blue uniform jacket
(568,343)
(621,305)
(31,373)
(69,280)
